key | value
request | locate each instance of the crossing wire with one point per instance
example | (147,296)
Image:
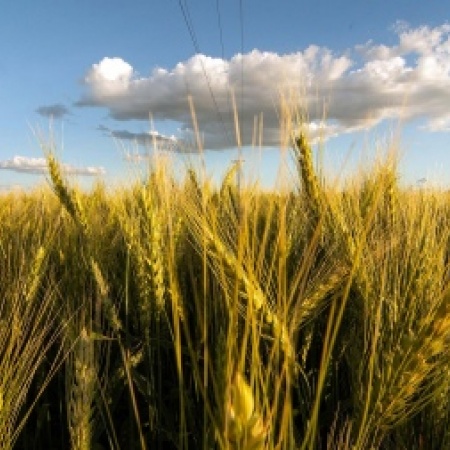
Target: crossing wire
(190,26)
(219,22)
(241,20)
(222,54)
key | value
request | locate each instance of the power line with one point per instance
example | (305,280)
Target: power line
(219,22)
(222,48)
(190,26)
(241,20)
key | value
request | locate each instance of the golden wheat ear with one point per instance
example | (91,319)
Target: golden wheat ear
(68,197)
(244,428)
(309,179)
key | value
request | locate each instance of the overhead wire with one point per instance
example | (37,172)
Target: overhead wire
(190,26)
(219,23)
(222,54)
(242,129)
(241,20)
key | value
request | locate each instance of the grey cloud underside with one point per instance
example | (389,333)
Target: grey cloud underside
(56,111)
(408,80)
(149,139)
(141,138)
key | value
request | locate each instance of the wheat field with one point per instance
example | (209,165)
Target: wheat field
(181,315)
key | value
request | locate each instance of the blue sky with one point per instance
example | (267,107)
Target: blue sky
(96,69)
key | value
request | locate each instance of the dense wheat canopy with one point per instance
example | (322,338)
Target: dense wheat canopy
(179,314)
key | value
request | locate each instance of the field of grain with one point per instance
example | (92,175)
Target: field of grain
(180,315)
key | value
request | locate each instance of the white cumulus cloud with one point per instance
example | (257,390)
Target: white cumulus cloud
(24,164)
(111,70)
(407,80)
